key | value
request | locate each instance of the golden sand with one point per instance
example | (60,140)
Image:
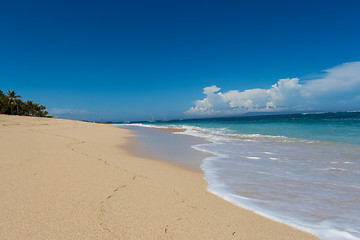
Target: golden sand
(62,179)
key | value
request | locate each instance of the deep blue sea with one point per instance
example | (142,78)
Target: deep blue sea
(300,169)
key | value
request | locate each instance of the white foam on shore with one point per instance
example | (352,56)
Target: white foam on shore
(214,134)
(324,230)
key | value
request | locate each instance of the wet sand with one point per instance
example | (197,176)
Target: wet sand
(162,144)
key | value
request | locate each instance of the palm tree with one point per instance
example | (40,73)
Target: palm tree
(42,111)
(19,106)
(12,96)
(29,108)
(3,102)
(36,109)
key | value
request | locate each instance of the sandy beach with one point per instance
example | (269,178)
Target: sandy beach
(63,179)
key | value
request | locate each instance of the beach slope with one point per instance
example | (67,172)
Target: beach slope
(62,179)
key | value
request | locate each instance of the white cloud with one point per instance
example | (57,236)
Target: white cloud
(339,79)
(337,89)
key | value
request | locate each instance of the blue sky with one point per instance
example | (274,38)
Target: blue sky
(126,60)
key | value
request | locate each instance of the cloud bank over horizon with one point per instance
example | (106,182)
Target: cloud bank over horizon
(338,89)
(64,111)
(70,113)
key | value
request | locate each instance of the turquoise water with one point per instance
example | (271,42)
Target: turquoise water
(335,127)
(300,169)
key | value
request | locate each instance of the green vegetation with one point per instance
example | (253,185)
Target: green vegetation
(11,103)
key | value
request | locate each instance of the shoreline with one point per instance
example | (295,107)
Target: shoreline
(69,179)
(152,141)
(162,145)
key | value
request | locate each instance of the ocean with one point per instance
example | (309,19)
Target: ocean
(299,169)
